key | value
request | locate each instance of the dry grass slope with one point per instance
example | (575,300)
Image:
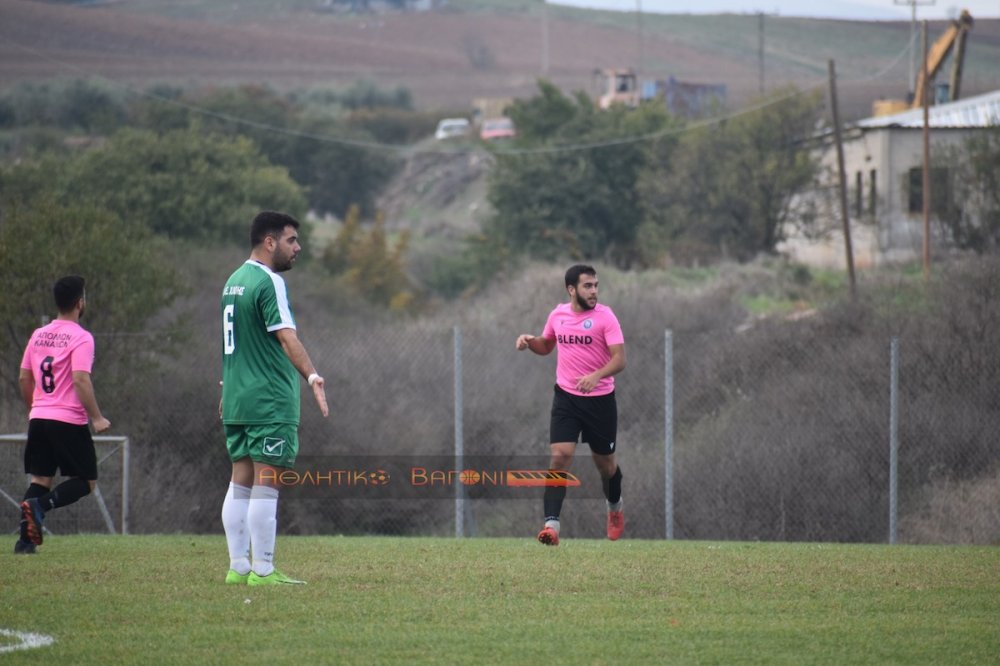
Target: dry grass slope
(448,58)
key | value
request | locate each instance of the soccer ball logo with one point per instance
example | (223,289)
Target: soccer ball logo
(379,477)
(469,477)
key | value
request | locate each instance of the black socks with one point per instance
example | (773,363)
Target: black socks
(65,493)
(613,487)
(552,501)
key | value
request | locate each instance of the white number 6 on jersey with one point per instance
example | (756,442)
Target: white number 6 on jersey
(228,338)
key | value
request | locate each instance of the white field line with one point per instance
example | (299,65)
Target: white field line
(26,640)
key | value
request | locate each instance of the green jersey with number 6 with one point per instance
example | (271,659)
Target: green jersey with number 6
(259,383)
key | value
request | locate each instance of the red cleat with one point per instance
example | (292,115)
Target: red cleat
(548,536)
(32,514)
(616,525)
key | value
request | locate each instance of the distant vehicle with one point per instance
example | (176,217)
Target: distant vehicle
(451,128)
(495,129)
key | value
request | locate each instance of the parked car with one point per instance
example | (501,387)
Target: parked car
(494,129)
(451,128)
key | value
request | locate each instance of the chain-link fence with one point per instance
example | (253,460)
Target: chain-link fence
(765,433)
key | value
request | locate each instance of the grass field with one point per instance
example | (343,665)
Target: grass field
(160,599)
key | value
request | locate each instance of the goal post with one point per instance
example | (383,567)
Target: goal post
(119,446)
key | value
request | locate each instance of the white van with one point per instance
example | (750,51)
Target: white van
(451,128)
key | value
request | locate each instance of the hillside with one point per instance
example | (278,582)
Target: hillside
(447,58)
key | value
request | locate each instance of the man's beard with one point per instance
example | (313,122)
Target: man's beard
(282,263)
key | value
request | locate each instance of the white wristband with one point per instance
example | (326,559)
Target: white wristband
(312,378)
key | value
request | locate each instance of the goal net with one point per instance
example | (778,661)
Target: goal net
(104,510)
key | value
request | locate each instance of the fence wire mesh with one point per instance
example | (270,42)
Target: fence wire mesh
(775,437)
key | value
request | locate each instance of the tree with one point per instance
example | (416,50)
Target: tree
(321,151)
(160,109)
(973,221)
(337,255)
(253,111)
(328,143)
(374,269)
(183,183)
(129,278)
(729,187)
(392,125)
(78,105)
(366,95)
(575,193)
(336,171)
(539,118)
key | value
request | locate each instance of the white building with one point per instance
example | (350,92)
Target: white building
(883,160)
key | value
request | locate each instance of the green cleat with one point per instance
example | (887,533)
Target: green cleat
(234,578)
(273,578)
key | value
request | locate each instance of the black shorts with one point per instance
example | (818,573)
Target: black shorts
(55,444)
(593,417)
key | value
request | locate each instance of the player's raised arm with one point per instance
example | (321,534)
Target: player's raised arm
(536,343)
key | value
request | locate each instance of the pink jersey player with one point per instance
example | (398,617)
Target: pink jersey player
(582,341)
(591,351)
(52,355)
(56,388)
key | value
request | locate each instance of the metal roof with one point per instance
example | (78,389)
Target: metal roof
(979,111)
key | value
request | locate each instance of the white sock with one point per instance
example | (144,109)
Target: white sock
(234,522)
(617,506)
(554,524)
(263,522)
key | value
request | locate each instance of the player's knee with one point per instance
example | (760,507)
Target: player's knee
(43,481)
(606,466)
(91,484)
(560,461)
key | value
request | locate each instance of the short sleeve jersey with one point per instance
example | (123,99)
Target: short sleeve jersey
(54,352)
(259,383)
(582,341)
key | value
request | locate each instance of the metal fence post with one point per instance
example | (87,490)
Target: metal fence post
(893,437)
(459,445)
(126,481)
(668,431)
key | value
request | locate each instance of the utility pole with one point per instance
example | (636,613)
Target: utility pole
(845,215)
(927,165)
(760,53)
(545,38)
(913,38)
(638,32)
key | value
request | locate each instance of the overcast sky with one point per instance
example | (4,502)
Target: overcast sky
(871,10)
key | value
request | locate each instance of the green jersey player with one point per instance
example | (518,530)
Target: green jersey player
(262,360)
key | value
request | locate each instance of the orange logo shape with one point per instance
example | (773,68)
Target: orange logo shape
(470,477)
(541,477)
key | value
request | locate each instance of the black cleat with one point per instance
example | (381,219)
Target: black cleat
(24,548)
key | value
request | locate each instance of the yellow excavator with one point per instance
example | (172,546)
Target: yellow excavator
(953,38)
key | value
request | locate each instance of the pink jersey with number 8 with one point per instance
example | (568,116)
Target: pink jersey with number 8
(53,354)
